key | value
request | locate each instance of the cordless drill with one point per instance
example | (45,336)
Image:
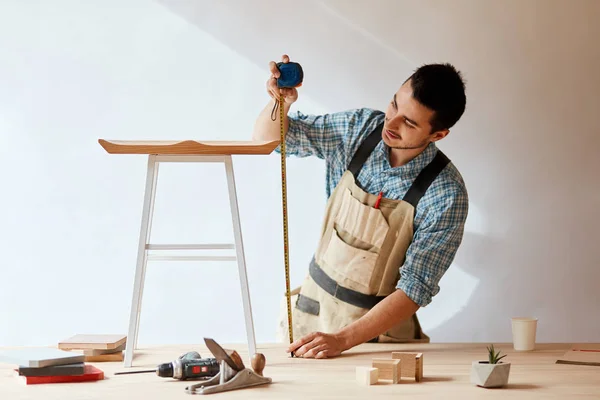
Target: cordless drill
(189,366)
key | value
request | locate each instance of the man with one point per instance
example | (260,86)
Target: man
(395,213)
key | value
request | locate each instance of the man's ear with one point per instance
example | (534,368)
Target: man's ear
(438,135)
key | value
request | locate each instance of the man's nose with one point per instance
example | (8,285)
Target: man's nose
(394,122)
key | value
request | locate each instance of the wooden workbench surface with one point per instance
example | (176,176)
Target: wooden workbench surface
(446,373)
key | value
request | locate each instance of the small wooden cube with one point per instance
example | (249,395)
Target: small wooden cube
(367,375)
(388,369)
(412,364)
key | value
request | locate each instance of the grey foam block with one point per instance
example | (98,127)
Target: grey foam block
(54,370)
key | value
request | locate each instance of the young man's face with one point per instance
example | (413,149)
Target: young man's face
(407,122)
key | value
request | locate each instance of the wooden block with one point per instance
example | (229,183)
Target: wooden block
(97,342)
(412,364)
(99,352)
(388,369)
(367,375)
(105,357)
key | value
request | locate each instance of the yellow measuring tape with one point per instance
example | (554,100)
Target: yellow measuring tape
(285,223)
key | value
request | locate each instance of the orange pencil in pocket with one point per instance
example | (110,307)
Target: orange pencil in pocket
(378,200)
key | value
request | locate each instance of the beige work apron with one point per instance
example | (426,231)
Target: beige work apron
(356,264)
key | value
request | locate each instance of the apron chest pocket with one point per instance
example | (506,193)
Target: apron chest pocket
(361,224)
(350,266)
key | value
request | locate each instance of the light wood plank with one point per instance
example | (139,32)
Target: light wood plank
(411,363)
(118,356)
(446,374)
(92,341)
(188,147)
(388,369)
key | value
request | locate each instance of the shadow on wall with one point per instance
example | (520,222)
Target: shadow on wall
(526,144)
(516,276)
(335,53)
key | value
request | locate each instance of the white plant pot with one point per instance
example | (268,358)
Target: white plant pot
(489,375)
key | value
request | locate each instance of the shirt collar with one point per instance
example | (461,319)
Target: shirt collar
(415,165)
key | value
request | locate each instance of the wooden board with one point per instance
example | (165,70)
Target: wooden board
(188,147)
(89,341)
(119,356)
(581,356)
(100,352)
(533,375)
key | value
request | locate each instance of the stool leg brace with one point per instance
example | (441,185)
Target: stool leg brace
(144,246)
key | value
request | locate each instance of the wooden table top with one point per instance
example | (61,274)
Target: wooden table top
(188,147)
(446,372)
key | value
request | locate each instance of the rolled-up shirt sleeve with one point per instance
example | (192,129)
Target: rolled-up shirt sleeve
(434,245)
(317,135)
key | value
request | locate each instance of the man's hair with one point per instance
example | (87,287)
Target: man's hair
(441,88)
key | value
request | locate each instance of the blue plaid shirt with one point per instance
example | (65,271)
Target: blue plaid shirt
(440,215)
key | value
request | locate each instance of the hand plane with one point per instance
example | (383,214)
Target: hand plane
(232,373)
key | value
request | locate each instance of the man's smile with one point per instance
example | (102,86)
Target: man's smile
(391,134)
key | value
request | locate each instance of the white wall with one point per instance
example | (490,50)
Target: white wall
(72,72)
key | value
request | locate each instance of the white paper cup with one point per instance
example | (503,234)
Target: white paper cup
(524,332)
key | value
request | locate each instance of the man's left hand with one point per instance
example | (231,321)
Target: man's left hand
(317,345)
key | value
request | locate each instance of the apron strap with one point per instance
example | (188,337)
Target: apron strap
(421,183)
(344,294)
(425,178)
(364,151)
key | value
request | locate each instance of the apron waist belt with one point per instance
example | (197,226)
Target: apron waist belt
(344,294)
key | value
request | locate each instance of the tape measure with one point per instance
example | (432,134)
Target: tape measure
(286,252)
(291,75)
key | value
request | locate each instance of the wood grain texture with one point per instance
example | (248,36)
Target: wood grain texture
(412,364)
(188,147)
(99,352)
(533,375)
(119,356)
(92,341)
(388,369)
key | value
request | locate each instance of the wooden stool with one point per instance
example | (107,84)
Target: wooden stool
(186,151)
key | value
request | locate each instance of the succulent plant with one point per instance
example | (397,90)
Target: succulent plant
(493,356)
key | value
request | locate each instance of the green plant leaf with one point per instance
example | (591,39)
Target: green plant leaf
(493,356)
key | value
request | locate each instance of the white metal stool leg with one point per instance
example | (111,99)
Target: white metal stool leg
(144,246)
(241,261)
(142,259)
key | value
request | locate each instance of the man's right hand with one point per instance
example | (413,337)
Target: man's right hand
(267,125)
(290,94)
